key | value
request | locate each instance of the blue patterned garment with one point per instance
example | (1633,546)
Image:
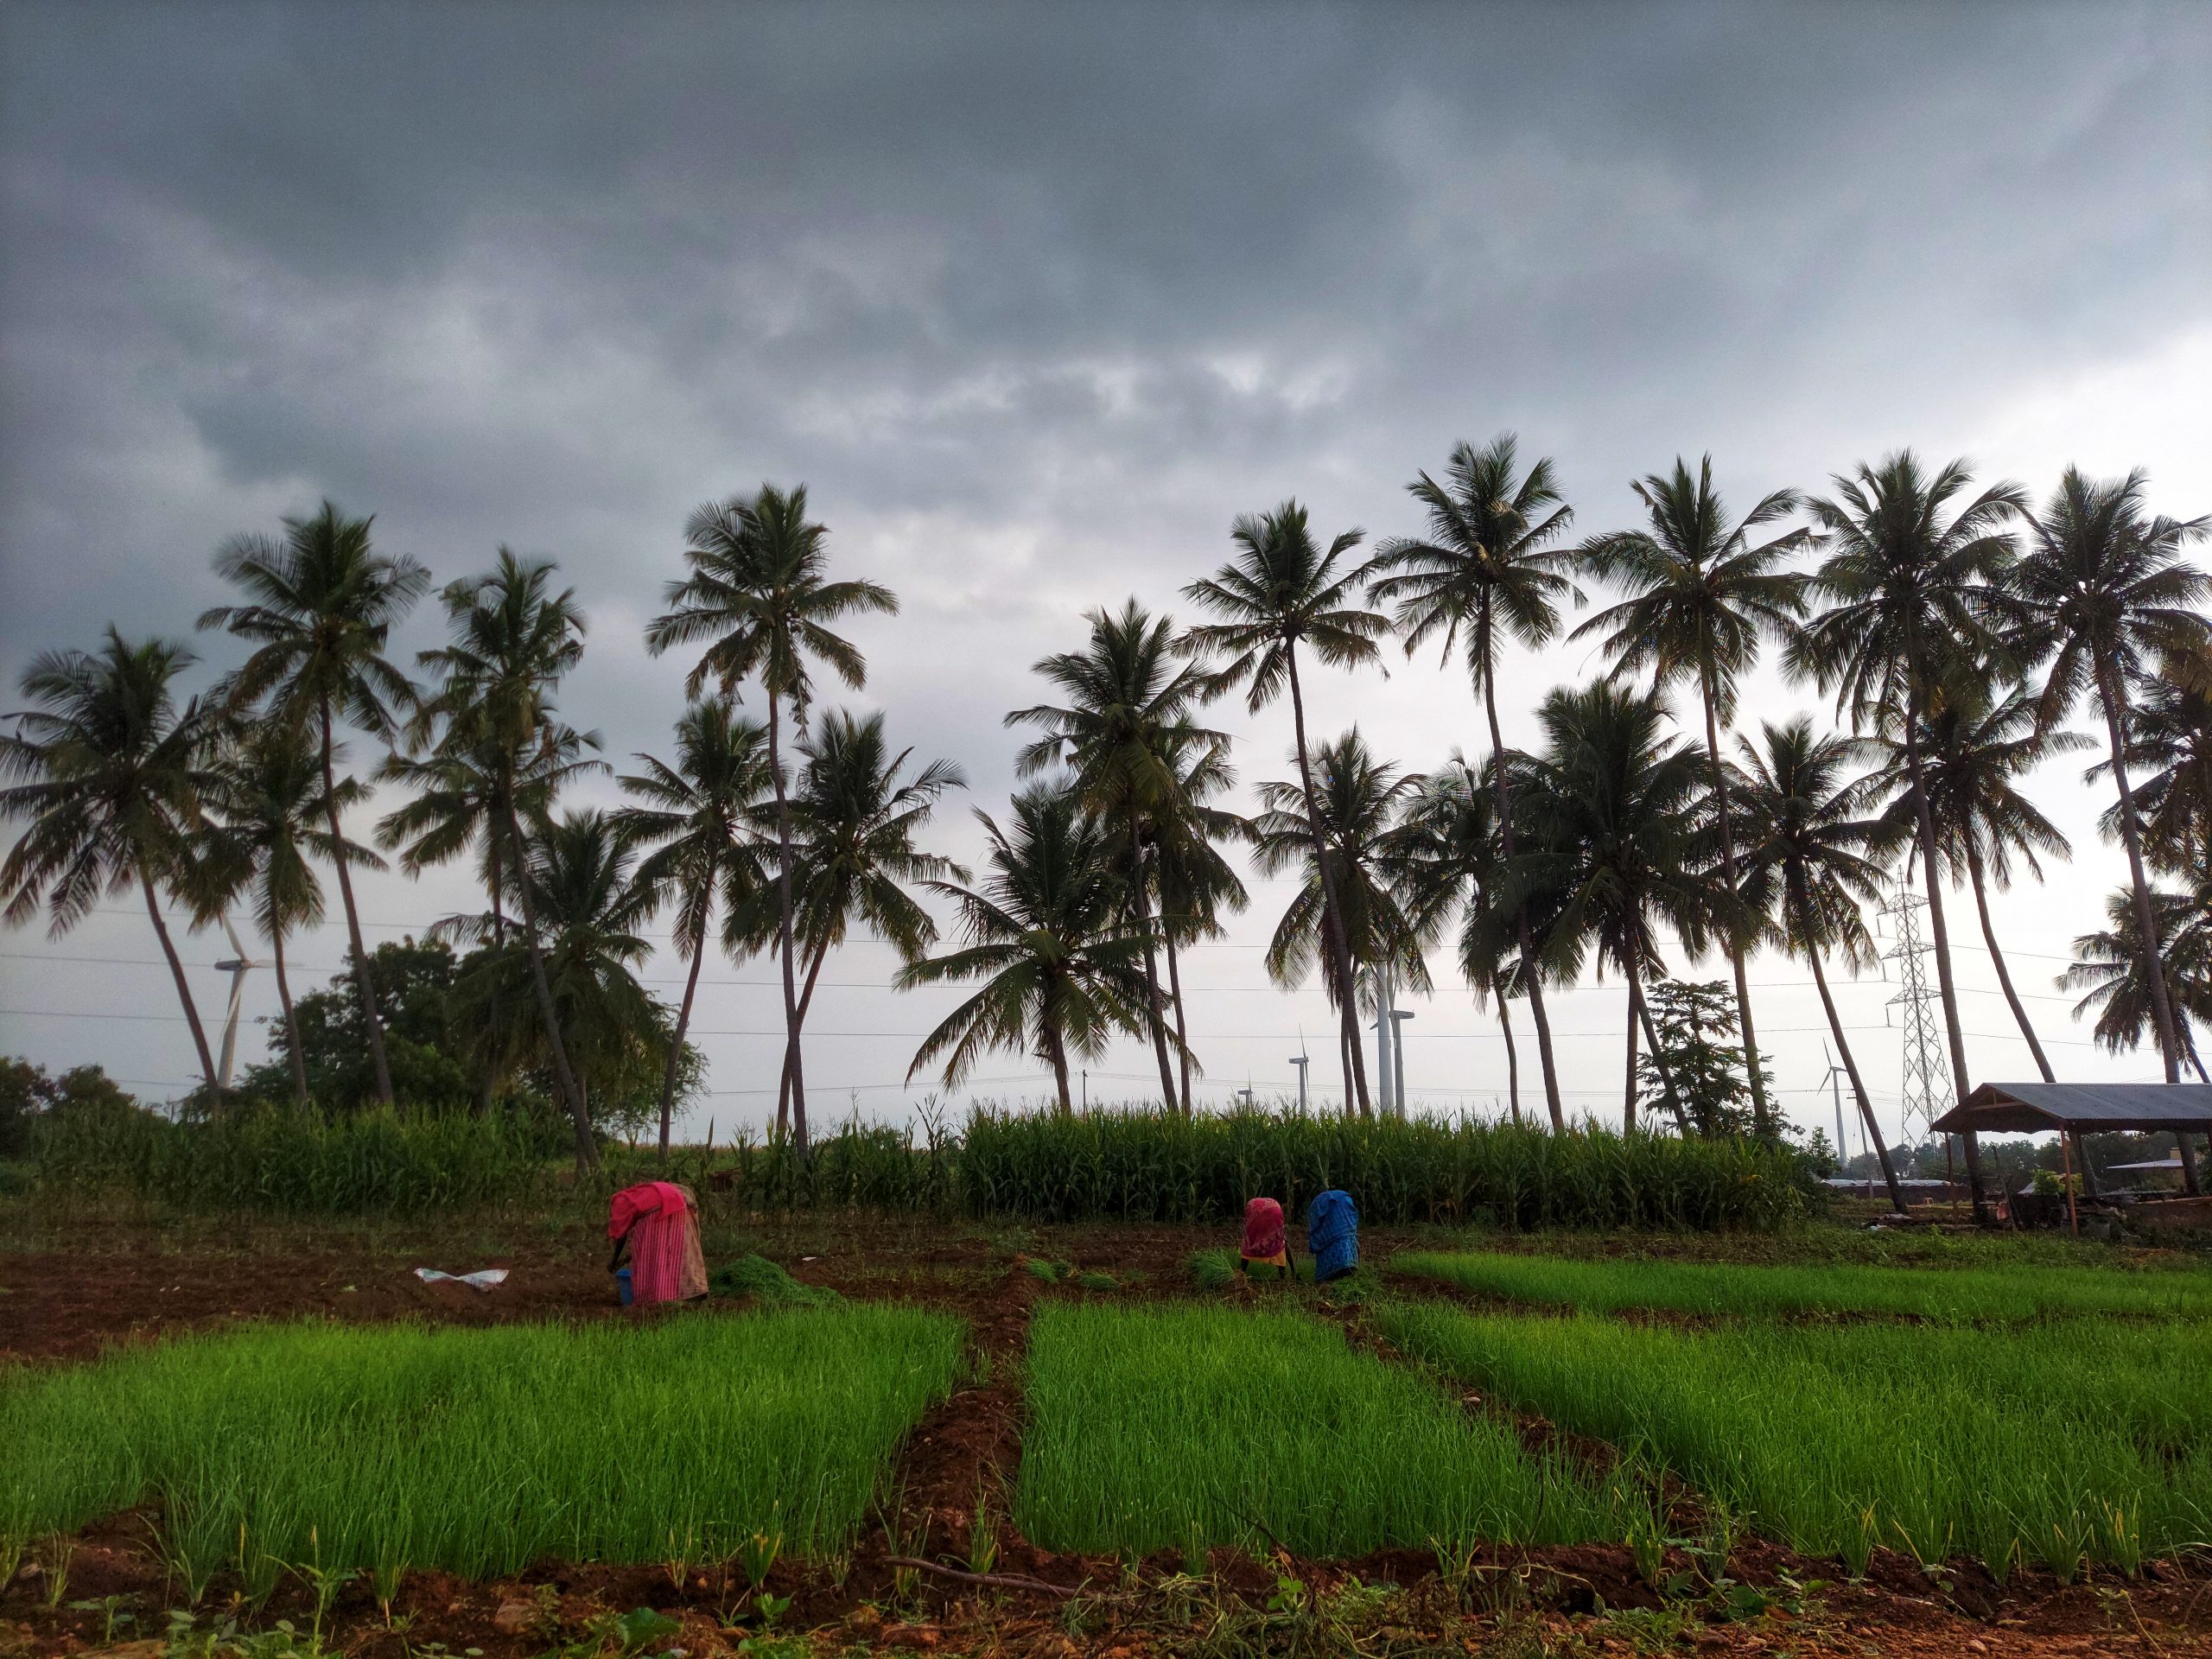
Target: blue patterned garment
(1332,1234)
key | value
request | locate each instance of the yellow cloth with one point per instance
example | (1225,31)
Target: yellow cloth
(1280,1259)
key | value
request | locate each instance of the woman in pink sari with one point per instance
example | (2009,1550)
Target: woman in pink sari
(655,1222)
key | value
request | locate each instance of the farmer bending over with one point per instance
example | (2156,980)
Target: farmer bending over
(1263,1245)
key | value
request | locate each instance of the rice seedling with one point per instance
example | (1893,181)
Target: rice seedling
(762,1280)
(1944,1296)
(2003,1444)
(1215,1269)
(477,1451)
(1183,1426)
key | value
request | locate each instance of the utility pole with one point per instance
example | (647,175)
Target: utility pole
(1086,1088)
(1301,1062)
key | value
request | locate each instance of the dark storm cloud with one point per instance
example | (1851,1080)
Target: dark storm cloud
(1037,299)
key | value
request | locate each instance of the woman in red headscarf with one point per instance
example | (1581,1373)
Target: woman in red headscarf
(1263,1245)
(654,1221)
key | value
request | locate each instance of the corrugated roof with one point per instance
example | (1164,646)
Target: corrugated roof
(2029,1106)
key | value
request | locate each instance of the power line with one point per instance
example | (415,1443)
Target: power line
(892,985)
(1210,1036)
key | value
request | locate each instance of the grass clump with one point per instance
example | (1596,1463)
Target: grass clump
(759,1278)
(2009,1444)
(386,1448)
(1186,1426)
(1215,1270)
(1952,1296)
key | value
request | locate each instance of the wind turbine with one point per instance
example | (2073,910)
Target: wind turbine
(238,966)
(1301,1061)
(1835,1072)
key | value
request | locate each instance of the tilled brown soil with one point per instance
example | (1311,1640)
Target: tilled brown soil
(957,1472)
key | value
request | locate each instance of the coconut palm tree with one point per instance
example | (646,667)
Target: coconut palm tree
(2108,966)
(1127,717)
(451,802)
(576,881)
(1805,836)
(1619,846)
(855,813)
(2105,589)
(1446,862)
(759,598)
(513,639)
(698,815)
(1974,742)
(321,606)
(270,825)
(1910,585)
(1197,885)
(1487,568)
(1359,797)
(2170,748)
(1701,595)
(1047,934)
(1280,588)
(108,773)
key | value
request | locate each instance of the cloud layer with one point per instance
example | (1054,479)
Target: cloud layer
(1036,301)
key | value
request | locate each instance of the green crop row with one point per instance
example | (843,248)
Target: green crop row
(280,1161)
(2008,1444)
(1182,1426)
(477,1451)
(1947,1296)
(1156,1166)
(1106,1165)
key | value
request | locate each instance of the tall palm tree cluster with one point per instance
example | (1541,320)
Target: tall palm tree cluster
(1957,630)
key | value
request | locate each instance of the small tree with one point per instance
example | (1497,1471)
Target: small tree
(1699,1048)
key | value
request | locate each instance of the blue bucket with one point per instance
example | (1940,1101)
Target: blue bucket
(622,1285)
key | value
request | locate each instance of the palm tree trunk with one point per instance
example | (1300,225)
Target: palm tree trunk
(1926,814)
(1055,1050)
(794,1064)
(1535,981)
(370,1021)
(1512,1057)
(564,1074)
(291,1020)
(1658,1050)
(2131,832)
(1857,1087)
(183,990)
(1154,1015)
(1628,1099)
(1762,1113)
(805,1002)
(683,1019)
(1182,1027)
(1997,957)
(1333,928)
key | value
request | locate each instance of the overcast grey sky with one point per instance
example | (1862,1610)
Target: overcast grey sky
(1036,301)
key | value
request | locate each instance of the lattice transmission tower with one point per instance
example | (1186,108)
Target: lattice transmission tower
(1929,1092)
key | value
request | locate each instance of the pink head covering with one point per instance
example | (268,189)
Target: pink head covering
(1263,1230)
